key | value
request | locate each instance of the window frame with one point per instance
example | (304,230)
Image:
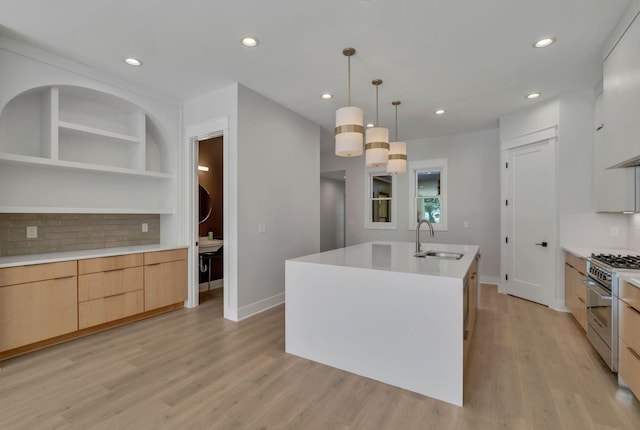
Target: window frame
(425,165)
(369,173)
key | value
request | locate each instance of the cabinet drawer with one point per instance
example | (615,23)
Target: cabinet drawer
(165,284)
(104,284)
(629,367)
(164,256)
(37,311)
(630,294)
(580,313)
(100,311)
(37,272)
(580,289)
(93,265)
(570,259)
(581,265)
(629,325)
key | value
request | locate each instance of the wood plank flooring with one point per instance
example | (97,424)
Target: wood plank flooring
(530,368)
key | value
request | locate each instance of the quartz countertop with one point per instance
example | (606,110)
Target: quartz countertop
(397,257)
(583,252)
(52,257)
(631,277)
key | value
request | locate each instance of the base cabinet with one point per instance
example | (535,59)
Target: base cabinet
(629,336)
(44,304)
(34,311)
(575,291)
(165,278)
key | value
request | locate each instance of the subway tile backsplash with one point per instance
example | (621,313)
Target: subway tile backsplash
(633,232)
(72,232)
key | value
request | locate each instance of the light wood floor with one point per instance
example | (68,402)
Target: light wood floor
(530,368)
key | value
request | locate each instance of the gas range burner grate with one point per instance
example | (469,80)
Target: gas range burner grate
(631,262)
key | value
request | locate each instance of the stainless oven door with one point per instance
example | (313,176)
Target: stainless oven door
(599,311)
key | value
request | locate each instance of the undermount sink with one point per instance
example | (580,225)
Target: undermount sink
(443,255)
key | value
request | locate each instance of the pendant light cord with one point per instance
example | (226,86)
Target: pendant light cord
(377,106)
(349,81)
(396,123)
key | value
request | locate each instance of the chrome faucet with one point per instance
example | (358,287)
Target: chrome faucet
(431,233)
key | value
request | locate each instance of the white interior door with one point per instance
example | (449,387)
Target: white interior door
(530,222)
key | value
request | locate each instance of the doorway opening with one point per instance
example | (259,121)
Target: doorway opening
(333,196)
(210,219)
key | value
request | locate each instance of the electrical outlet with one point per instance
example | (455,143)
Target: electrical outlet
(32,232)
(262,228)
(145,227)
(615,231)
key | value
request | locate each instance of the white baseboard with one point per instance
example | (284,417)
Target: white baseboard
(259,306)
(494,280)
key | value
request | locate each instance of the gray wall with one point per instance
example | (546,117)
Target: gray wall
(473,195)
(279,186)
(332,202)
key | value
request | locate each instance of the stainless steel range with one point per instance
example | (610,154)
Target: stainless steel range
(602,302)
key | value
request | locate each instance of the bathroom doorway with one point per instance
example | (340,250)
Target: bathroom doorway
(210,219)
(332,210)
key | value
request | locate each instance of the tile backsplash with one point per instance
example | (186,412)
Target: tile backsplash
(72,232)
(633,232)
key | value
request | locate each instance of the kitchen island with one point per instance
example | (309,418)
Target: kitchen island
(376,310)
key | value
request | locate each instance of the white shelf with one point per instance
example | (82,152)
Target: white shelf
(66,210)
(65,126)
(82,167)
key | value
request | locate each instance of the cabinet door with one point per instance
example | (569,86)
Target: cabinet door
(580,291)
(569,293)
(165,284)
(37,311)
(621,85)
(614,189)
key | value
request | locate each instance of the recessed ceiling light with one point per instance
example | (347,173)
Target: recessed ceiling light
(133,61)
(249,41)
(203,168)
(440,112)
(533,95)
(543,43)
(371,125)
(327,96)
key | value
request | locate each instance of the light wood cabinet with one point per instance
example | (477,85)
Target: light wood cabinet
(37,303)
(472,279)
(575,292)
(165,278)
(629,336)
(109,289)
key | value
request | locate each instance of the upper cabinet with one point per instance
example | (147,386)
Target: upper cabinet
(622,100)
(614,189)
(78,128)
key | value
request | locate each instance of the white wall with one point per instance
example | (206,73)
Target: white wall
(577,222)
(332,220)
(279,186)
(25,67)
(474,193)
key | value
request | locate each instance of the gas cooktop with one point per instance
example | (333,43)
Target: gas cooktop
(631,262)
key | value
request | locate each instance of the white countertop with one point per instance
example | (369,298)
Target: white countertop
(631,277)
(586,252)
(52,257)
(397,257)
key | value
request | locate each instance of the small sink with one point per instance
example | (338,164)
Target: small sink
(443,255)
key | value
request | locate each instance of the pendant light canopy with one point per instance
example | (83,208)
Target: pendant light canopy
(377,139)
(349,120)
(397,163)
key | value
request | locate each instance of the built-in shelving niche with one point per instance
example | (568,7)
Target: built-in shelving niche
(76,129)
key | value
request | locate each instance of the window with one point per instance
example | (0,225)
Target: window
(380,208)
(428,193)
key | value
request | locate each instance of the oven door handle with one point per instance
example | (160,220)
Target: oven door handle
(596,288)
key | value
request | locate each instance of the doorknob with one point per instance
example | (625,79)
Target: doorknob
(542,244)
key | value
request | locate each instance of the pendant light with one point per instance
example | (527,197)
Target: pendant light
(349,120)
(397,151)
(377,139)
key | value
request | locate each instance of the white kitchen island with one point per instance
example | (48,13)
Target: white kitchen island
(377,311)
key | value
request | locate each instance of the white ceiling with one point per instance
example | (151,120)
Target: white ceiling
(471,57)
